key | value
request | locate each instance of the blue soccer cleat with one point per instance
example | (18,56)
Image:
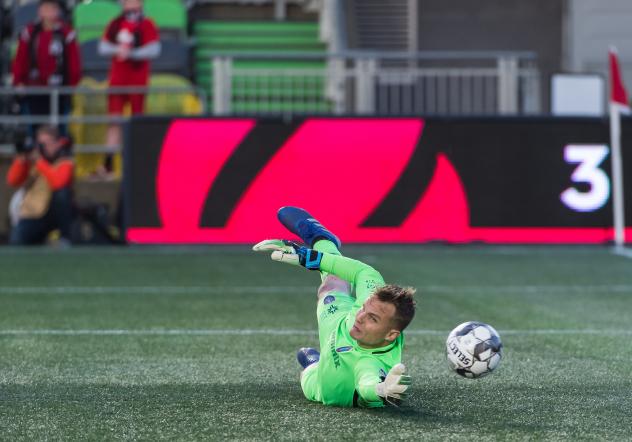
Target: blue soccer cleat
(305,226)
(307,356)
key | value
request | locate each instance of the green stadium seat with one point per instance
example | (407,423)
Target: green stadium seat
(266,92)
(267,27)
(91,17)
(169,15)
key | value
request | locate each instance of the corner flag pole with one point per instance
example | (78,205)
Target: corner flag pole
(618,105)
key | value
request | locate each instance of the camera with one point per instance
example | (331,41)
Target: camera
(22,141)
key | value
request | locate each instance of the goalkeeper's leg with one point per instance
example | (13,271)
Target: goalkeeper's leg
(310,383)
(330,283)
(310,230)
(318,237)
(305,226)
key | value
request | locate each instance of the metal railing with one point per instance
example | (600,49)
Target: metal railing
(57,117)
(359,82)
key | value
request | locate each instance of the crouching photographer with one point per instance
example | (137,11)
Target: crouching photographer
(44,173)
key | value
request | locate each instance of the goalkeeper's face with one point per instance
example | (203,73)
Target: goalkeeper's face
(373,326)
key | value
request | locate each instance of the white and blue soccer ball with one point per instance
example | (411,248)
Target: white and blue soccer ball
(474,349)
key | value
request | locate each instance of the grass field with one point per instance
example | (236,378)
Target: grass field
(199,343)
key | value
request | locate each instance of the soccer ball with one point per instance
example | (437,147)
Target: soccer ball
(473,349)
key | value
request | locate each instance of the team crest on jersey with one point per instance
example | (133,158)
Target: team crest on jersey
(125,37)
(371,284)
(329,299)
(55,48)
(344,349)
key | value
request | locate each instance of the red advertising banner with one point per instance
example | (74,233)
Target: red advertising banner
(369,180)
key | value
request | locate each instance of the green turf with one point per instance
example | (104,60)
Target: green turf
(144,343)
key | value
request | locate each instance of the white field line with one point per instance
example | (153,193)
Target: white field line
(204,290)
(149,290)
(280,332)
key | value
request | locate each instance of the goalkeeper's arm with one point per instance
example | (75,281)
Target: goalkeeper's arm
(374,392)
(364,277)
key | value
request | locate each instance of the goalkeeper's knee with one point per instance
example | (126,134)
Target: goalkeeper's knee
(332,283)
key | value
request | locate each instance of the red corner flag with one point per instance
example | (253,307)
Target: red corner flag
(618,94)
(618,105)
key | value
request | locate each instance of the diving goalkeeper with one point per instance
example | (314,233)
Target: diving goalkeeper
(360,338)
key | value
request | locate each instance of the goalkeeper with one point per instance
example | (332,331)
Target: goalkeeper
(360,338)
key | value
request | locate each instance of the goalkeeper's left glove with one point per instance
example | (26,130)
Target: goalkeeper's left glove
(393,389)
(290,252)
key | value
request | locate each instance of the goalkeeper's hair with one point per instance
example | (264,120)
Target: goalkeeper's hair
(402,299)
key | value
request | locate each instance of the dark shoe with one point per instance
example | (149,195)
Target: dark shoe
(307,356)
(305,226)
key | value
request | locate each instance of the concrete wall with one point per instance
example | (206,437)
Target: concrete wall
(594,25)
(533,25)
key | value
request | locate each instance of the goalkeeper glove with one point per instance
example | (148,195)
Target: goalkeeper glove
(393,389)
(290,252)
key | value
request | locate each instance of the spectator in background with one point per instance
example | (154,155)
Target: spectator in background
(47,55)
(44,202)
(131,40)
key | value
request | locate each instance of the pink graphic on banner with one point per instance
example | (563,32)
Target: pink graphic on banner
(544,235)
(339,169)
(193,153)
(442,213)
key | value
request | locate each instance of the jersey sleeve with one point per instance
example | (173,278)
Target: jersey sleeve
(108,34)
(21,62)
(150,32)
(367,376)
(18,172)
(57,175)
(365,278)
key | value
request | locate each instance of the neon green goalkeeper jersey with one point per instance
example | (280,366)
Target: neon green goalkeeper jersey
(347,374)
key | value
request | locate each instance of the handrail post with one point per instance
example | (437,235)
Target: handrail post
(531,87)
(54,107)
(365,85)
(279,10)
(222,85)
(507,85)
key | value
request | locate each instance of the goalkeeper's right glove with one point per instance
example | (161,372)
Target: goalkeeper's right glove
(290,252)
(393,389)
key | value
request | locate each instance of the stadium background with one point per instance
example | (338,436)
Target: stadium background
(291,59)
(197,342)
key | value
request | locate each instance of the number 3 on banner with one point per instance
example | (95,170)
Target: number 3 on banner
(589,157)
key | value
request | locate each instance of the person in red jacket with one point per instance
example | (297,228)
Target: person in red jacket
(44,201)
(47,55)
(131,40)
